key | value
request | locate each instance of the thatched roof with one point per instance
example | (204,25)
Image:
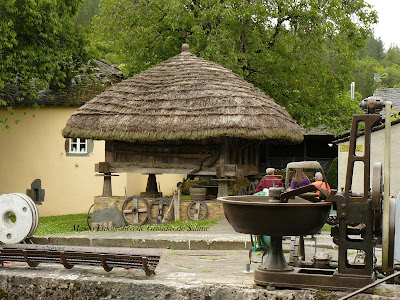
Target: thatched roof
(185,97)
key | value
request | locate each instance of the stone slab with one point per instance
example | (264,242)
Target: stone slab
(112,243)
(107,215)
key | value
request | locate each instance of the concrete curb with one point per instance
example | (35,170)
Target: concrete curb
(183,244)
(144,243)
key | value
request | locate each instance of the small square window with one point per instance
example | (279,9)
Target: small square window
(78,146)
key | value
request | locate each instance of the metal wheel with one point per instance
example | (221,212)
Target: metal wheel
(377,186)
(251,189)
(197,210)
(242,191)
(134,210)
(392,221)
(89,216)
(157,210)
(235,190)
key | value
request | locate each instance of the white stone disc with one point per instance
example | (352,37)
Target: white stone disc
(35,213)
(11,204)
(32,209)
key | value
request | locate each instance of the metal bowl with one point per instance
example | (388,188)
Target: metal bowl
(256,215)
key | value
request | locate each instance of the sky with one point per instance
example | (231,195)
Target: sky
(388,28)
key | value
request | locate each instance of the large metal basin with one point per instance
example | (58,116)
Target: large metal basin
(256,215)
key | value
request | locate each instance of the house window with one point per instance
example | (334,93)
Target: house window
(78,146)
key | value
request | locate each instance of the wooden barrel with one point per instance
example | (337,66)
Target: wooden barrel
(198,193)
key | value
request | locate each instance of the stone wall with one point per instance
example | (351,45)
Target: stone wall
(215,208)
(19,285)
(101,202)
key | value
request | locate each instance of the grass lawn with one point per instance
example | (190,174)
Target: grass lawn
(72,224)
(326,228)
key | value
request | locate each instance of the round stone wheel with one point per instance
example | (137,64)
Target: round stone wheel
(35,213)
(157,210)
(17,218)
(134,210)
(197,210)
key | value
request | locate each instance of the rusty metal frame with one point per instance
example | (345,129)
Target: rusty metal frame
(354,209)
(69,256)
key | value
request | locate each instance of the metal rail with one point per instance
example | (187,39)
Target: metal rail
(70,256)
(370,286)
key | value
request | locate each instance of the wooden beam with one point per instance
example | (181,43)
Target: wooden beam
(102,167)
(166,168)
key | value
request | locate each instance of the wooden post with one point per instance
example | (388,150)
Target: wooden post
(177,204)
(222,188)
(223,183)
(107,188)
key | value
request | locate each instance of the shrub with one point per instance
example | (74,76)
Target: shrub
(332,176)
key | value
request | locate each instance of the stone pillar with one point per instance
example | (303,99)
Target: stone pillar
(151,188)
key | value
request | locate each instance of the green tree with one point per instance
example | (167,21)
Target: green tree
(300,52)
(363,76)
(40,45)
(332,176)
(374,48)
(87,10)
(392,56)
(373,60)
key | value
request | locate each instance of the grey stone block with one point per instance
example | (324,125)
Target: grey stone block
(151,244)
(41,240)
(199,245)
(106,215)
(112,243)
(225,245)
(184,245)
(58,240)
(78,242)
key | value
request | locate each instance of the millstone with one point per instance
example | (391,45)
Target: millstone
(24,210)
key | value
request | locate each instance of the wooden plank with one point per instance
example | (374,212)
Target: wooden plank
(121,167)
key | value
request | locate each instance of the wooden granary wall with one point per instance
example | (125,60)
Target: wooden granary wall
(221,157)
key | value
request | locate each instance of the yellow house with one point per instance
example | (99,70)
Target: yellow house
(35,149)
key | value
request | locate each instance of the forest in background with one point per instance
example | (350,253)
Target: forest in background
(376,62)
(373,60)
(302,53)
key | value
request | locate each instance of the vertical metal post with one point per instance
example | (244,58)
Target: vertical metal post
(352,89)
(386,189)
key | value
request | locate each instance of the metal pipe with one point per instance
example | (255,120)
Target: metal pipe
(370,286)
(386,189)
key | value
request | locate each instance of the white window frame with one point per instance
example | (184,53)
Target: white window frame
(78,143)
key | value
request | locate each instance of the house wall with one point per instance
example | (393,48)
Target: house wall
(136,183)
(377,155)
(34,149)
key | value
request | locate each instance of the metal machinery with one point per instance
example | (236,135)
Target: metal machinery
(359,226)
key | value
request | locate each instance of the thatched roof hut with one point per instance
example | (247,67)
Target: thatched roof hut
(186,115)
(183,98)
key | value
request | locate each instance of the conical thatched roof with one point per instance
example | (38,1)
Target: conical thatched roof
(185,97)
